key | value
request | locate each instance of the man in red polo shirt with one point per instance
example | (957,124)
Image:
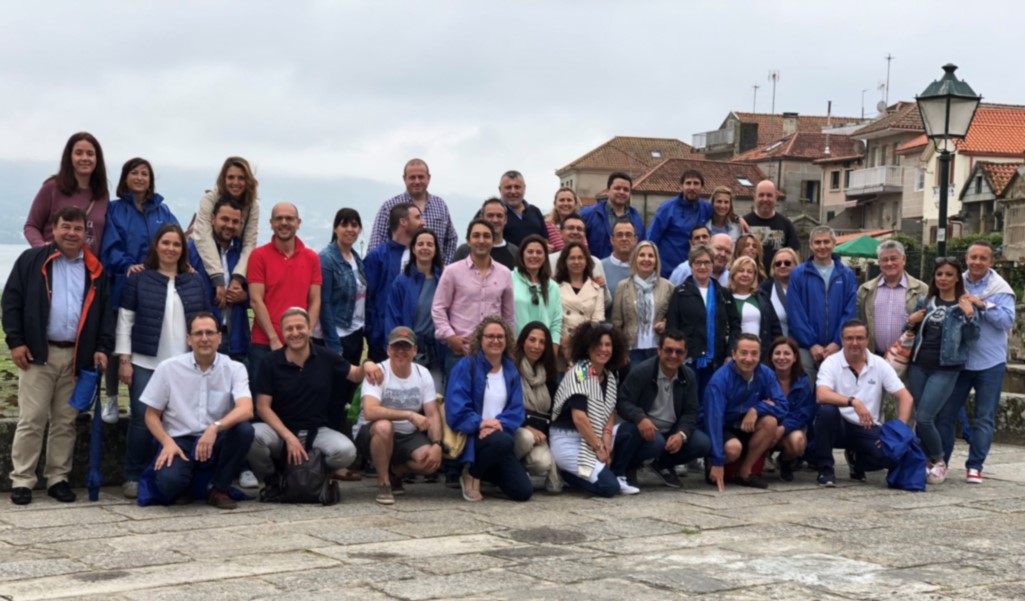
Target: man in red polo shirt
(282,273)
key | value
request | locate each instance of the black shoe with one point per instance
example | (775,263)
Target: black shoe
(852,464)
(667,474)
(62,492)
(826,477)
(21,495)
(452,481)
(631,477)
(786,470)
(752,481)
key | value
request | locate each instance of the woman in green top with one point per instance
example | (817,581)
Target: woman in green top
(535,293)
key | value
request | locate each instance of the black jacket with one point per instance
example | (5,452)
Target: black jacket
(769,326)
(687,313)
(638,391)
(26,307)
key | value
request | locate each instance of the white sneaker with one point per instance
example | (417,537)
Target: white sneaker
(626,489)
(110,411)
(247,479)
(937,473)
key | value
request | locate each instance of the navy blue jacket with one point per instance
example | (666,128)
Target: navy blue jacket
(599,236)
(145,294)
(728,397)
(237,342)
(383,265)
(671,226)
(128,235)
(801,406)
(813,318)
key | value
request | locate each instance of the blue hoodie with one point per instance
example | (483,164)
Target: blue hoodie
(405,292)
(127,236)
(671,227)
(728,397)
(801,406)
(383,264)
(812,317)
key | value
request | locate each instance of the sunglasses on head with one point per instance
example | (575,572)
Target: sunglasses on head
(944,260)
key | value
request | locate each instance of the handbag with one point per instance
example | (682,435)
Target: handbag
(452,443)
(307,482)
(899,353)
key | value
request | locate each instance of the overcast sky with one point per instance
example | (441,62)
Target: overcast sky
(353,89)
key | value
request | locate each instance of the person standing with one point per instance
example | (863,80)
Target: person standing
(602,217)
(383,265)
(773,230)
(56,309)
(522,218)
(675,218)
(494,212)
(416,176)
(617,265)
(994,302)
(885,302)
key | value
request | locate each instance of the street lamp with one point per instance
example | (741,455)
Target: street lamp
(947,108)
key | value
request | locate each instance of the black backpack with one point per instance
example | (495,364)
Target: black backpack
(308,482)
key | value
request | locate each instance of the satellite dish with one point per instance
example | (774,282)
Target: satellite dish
(881,107)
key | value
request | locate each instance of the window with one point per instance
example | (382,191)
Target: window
(978,184)
(743,181)
(919,179)
(847,178)
(656,154)
(773,146)
(834,180)
(882,158)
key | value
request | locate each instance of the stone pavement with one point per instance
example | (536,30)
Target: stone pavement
(794,541)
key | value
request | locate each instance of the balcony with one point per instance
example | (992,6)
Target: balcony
(876,180)
(712,139)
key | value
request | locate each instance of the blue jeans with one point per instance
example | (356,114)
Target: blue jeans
(930,388)
(607,485)
(697,445)
(640,354)
(229,453)
(630,450)
(987,384)
(138,440)
(832,431)
(495,461)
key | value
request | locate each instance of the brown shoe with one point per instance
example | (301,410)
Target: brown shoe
(346,475)
(220,499)
(384,495)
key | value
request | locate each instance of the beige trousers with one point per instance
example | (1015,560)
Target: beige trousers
(536,459)
(43,393)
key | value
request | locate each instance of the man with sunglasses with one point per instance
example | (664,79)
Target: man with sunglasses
(994,302)
(885,302)
(660,396)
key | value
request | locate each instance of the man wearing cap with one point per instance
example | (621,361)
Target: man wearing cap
(399,425)
(293,391)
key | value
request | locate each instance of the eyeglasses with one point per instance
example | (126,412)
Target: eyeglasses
(533,295)
(783,264)
(204,334)
(623,235)
(704,263)
(674,352)
(494,337)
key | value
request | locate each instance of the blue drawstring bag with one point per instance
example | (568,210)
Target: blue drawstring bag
(86,387)
(899,445)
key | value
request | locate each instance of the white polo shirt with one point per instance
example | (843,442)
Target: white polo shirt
(192,399)
(877,375)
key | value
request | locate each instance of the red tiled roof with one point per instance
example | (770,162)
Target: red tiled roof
(871,234)
(770,126)
(913,144)
(995,131)
(802,146)
(901,116)
(631,154)
(664,178)
(998,175)
(840,159)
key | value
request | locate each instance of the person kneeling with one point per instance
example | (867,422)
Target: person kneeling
(399,425)
(742,405)
(294,390)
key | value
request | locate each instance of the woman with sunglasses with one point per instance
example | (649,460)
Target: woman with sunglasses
(783,263)
(724,219)
(945,326)
(641,302)
(535,293)
(410,299)
(566,203)
(535,357)
(484,400)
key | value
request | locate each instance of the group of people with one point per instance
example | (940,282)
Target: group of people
(574,347)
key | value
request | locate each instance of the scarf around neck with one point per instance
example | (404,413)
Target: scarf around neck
(645,297)
(709,358)
(536,397)
(582,380)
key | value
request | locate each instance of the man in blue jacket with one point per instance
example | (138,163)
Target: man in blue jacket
(675,218)
(821,297)
(383,265)
(742,405)
(601,217)
(232,312)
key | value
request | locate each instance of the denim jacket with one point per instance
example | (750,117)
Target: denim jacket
(959,333)
(337,293)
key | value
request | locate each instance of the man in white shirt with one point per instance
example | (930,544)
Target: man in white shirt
(199,407)
(849,392)
(399,424)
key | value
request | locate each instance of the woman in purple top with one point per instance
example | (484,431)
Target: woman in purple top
(81,182)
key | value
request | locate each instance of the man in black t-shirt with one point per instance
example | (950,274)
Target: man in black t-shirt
(293,390)
(773,230)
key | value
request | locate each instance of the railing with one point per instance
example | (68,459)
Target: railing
(712,138)
(879,178)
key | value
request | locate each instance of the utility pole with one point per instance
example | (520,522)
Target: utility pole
(889,59)
(863,103)
(774,77)
(754,104)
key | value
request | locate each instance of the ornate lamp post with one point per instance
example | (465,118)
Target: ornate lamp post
(947,108)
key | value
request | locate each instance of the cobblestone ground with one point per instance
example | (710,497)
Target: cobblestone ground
(794,541)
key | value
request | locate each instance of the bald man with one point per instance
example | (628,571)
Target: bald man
(774,230)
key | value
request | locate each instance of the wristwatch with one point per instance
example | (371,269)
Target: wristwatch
(850,401)
(217,424)
(684,435)
(437,442)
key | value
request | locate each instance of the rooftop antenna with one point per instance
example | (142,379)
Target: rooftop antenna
(863,103)
(829,123)
(889,59)
(754,105)
(774,77)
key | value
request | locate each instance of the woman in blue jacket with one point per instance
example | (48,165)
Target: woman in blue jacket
(785,360)
(132,220)
(945,326)
(410,299)
(484,400)
(152,323)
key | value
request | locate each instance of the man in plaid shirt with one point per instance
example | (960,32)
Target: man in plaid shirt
(417,176)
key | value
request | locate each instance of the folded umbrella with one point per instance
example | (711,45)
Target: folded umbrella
(95,477)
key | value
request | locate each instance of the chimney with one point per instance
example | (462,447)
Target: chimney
(789,123)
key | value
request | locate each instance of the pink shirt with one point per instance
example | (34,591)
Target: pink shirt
(39,223)
(464,298)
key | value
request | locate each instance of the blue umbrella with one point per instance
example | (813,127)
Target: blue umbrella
(95,478)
